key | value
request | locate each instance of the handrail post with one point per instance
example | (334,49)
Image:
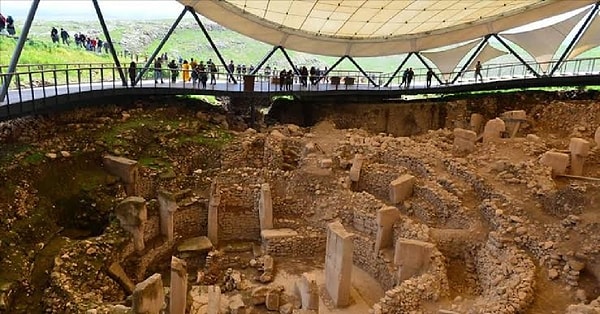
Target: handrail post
(19,48)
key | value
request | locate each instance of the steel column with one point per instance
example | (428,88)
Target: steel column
(398,69)
(429,68)
(516,55)
(19,48)
(576,38)
(362,71)
(110,42)
(471,58)
(210,41)
(160,45)
(264,60)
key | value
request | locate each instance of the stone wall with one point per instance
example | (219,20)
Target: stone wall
(303,245)
(191,221)
(411,293)
(366,259)
(447,208)
(375,179)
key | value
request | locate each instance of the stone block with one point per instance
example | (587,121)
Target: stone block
(579,147)
(196,244)
(466,134)
(125,169)
(493,130)
(277,233)
(272,301)
(516,115)
(148,296)
(265,207)
(356,167)
(118,274)
(308,291)
(412,257)
(597,136)
(213,213)
(476,122)
(386,217)
(557,161)
(464,140)
(402,188)
(132,215)
(338,264)
(325,163)
(236,305)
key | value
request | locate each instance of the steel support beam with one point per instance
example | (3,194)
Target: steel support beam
(330,69)
(264,60)
(110,42)
(160,45)
(362,71)
(210,41)
(512,51)
(576,38)
(471,58)
(398,69)
(429,68)
(18,49)
(287,57)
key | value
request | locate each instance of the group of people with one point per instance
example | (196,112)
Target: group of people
(88,43)
(7,25)
(407,78)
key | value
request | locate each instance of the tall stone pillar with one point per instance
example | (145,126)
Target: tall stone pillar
(213,213)
(148,296)
(265,207)
(179,277)
(132,214)
(167,207)
(386,217)
(579,149)
(597,136)
(338,264)
(402,188)
(476,122)
(357,163)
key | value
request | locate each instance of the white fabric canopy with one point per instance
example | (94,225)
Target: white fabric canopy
(487,53)
(447,60)
(543,43)
(589,40)
(365,28)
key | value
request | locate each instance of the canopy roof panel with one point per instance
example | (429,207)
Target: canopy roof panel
(356,27)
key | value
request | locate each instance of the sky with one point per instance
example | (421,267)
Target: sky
(84,10)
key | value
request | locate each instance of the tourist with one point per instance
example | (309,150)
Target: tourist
(409,77)
(213,74)
(54,35)
(195,75)
(203,75)
(478,72)
(10,25)
(174,70)
(289,80)
(231,69)
(132,72)
(64,36)
(158,71)
(2,24)
(193,64)
(429,77)
(282,79)
(185,68)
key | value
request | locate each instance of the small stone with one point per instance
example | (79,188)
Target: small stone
(90,251)
(552,274)
(65,153)
(51,155)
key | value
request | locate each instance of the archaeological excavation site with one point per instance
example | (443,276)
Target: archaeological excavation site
(482,204)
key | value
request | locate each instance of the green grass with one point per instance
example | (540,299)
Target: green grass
(215,138)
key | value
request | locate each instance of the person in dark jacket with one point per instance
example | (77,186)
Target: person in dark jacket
(132,72)
(174,70)
(10,25)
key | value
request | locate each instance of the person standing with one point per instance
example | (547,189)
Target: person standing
(185,67)
(231,68)
(478,72)
(409,77)
(54,35)
(132,72)
(10,25)
(158,71)
(429,77)
(174,70)
(213,73)
(64,36)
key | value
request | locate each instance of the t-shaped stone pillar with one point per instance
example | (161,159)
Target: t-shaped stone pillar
(557,161)
(579,149)
(412,257)
(148,296)
(178,295)
(308,292)
(265,207)
(357,163)
(338,263)
(597,136)
(125,169)
(464,140)
(513,120)
(131,212)
(167,207)
(493,130)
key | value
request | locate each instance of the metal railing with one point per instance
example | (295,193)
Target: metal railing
(46,81)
